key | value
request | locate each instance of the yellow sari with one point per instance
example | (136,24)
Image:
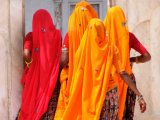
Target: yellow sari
(78,22)
(115,24)
(91,74)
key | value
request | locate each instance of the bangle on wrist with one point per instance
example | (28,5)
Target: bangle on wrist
(140,97)
(64,49)
(28,63)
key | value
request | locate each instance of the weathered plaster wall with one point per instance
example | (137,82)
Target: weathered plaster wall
(11,33)
(144,20)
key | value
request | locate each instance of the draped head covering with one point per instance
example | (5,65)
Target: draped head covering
(42,75)
(91,74)
(78,22)
(115,24)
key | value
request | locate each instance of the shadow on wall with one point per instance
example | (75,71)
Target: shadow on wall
(148,32)
(155,64)
(142,32)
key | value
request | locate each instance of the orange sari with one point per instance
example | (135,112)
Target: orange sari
(91,74)
(78,22)
(115,24)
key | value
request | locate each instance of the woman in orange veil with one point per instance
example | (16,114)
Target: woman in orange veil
(78,22)
(115,24)
(92,73)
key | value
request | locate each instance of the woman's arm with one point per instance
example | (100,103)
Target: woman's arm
(27,49)
(127,79)
(136,45)
(142,58)
(27,55)
(64,57)
(124,75)
(65,52)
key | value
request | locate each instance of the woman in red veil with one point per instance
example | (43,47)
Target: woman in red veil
(42,49)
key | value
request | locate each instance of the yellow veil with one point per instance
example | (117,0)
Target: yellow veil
(91,74)
(78,22)
(115,24)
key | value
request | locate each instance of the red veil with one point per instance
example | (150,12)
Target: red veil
(41,78)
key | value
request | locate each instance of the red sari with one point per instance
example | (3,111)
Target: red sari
(40,79)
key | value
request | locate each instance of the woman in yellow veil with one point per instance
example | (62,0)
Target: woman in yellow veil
(115,24)
(92,73)
(78,22)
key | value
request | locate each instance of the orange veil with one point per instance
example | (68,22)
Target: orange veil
(115,24)
(78,22)
(91,74)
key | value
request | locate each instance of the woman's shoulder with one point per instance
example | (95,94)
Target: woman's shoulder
(28,35)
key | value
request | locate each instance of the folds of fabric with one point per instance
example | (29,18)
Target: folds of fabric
(115,24)
(78,22)
(42,75)
(91,74)
(62,100)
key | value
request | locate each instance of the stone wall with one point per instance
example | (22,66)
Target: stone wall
(11,66)
(144,20)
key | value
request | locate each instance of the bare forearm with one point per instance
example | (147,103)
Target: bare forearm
(130,83)
(64,57)
(27,55)
(141,59)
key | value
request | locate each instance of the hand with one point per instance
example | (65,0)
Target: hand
(131,64)
(142,105)
(64,58)
(27,54)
